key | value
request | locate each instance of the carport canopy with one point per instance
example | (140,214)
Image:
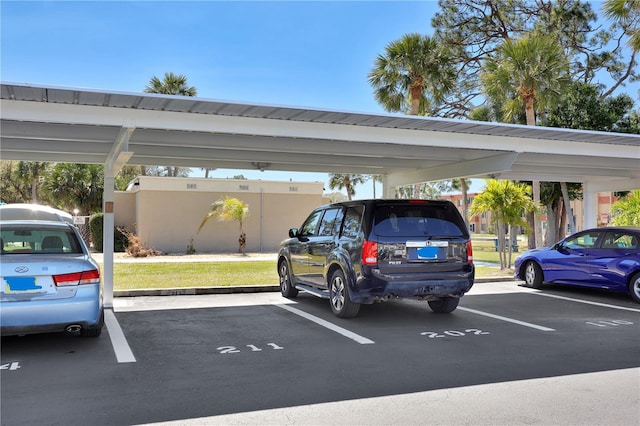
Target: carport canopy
(58,124)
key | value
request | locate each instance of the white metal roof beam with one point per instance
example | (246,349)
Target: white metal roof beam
(494,164)
(95,115)
(119,154)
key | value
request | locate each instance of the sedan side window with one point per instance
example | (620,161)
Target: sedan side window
(582,241)
(620,240)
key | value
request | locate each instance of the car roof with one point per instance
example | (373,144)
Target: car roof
(34,223)
(23,211)
(613,228)
(377,201)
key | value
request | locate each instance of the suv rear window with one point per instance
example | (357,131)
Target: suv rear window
(418,220)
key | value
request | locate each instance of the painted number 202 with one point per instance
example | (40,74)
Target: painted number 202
(453,333)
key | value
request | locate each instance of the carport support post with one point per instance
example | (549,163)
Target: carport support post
(107,239)
(590,204)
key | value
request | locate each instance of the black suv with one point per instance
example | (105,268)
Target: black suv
(371,250)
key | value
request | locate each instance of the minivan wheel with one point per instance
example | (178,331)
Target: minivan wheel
(634,287)
(444,305)
(286,283)
(341,304)
(533,275)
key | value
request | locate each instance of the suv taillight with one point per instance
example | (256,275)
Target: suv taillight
(370,253)
(469,252)
(76,278)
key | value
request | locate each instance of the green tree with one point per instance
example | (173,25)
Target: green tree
(531,72)
(347,182)
(172,84)
(473,30)
(626,211)
(581,107)
(507,202)
(229,209)
(626,14)
(20,181)
(412,76)
(72,186)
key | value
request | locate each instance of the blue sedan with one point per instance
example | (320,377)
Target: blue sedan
(605,258)
(49,281)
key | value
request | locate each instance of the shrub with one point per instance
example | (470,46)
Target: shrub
(96,226)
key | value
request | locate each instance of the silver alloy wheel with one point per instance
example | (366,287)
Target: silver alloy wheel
(530,274)
(284,277)
(635,288)
(337,293)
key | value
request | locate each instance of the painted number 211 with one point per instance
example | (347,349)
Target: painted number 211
(253,348)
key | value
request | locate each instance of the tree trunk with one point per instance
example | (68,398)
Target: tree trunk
(465,203)
(536,215)
(34,190)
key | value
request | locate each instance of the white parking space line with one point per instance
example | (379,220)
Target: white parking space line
(118,341)
(501,318)
(327,324)
(605,305)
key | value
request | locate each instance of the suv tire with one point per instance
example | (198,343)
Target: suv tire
(286,283)
(444,305)
(341,304)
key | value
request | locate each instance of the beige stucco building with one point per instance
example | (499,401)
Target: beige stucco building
(166,212)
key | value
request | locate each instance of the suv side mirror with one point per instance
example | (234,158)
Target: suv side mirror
(293,232)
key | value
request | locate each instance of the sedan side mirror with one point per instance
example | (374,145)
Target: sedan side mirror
(293,233)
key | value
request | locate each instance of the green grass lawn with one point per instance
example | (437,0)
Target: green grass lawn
(134,276)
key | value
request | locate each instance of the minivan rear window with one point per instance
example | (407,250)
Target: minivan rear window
(414,220)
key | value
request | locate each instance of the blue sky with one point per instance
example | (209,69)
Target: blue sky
(305,54)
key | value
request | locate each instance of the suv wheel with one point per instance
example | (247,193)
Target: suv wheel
(444,305)
(341,304)
(286,283)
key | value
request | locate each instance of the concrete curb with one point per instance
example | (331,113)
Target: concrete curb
(193,291)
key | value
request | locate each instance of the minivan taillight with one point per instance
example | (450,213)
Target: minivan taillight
(469,252)
(370,253)
(77,278)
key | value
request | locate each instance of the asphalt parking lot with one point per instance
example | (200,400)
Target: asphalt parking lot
(507,355)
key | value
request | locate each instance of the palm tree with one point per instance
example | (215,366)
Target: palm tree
(627,14)
(229,209)
(626,211)
(172,84)
(531,72)
(507,202)
(346,182)
(412,75)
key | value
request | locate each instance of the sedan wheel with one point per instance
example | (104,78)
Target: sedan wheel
(286,285)
(341,304)
(533,275)
(634,287)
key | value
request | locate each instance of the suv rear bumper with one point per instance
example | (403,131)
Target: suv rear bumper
(380,286)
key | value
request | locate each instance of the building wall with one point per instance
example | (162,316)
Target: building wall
(168,211)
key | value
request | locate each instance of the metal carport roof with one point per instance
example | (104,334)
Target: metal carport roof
(46,123)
